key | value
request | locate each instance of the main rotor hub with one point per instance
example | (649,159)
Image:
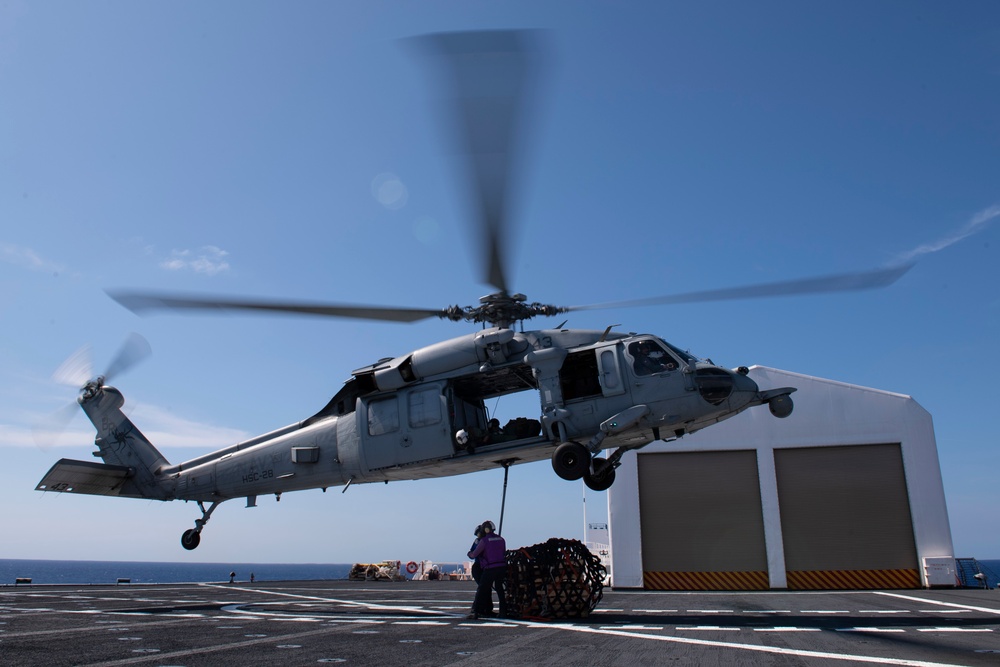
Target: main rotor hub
(501,309)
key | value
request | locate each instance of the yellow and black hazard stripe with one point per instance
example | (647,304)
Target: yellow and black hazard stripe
(705,581)
(825,580)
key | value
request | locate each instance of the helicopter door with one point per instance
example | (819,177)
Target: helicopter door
(405,427)
(609,372)
(425,417)
(384,438)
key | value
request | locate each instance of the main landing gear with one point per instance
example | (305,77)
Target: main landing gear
(192,536)
(571,461)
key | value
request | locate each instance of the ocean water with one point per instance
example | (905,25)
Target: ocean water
(140,572)
(105,572)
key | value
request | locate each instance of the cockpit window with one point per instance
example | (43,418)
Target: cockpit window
(649,357)
(686,357)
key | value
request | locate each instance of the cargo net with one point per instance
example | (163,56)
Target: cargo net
(556,579)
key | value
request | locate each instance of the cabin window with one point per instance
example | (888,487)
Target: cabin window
(383,416)
(425,408)
(578,376)
(609,370)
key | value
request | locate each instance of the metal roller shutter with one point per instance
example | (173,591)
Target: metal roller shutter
(845,517)
(701,521)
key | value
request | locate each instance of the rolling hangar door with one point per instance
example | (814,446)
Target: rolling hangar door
(846,493)
(701,520)
(845,518)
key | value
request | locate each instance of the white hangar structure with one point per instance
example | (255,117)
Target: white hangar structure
(845,493)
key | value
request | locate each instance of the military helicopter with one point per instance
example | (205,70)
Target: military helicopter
(423,414)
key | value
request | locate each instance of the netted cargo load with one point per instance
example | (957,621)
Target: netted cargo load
(556,579)
(387,570)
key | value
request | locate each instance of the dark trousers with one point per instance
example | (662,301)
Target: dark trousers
(491,579)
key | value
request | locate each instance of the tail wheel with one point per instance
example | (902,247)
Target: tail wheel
(571,460)
(604,480)
(190,539)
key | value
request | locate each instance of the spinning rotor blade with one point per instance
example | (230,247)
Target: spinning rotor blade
(133,350)
(77,370)
(46,431)
(488,77)
(140,303)
(843,282)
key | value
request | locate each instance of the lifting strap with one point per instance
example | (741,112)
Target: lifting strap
(506,463)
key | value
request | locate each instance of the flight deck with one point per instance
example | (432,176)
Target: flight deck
(425,623)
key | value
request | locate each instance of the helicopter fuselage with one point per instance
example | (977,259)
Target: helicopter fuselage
(424,415)
(403,418)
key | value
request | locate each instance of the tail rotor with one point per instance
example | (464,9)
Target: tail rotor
(78,371)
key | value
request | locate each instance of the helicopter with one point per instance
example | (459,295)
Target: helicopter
(423,414)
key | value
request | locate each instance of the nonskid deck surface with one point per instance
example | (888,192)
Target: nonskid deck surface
(424,623)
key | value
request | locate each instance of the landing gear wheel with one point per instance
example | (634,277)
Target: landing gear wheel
(192,536)
(571,460)
(600,482)
(190,539)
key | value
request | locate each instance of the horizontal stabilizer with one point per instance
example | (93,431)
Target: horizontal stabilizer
(89,477)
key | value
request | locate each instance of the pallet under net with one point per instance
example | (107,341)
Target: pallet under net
(556,579)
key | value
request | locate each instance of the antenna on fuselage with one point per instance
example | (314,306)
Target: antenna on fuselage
(604,336)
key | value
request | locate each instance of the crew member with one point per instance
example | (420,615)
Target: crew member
(477,568)
(650,358)
(492,555)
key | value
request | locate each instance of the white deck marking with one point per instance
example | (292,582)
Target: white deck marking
(744,647)
(421,623)
(346,603)
(967,607)
(782,628)
(869,629)
(487,624)
(162,658)
(955,630)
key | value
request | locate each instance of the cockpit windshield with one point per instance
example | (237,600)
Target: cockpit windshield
(649,357)
(686,357)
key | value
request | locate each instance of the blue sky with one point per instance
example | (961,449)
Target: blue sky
(293,151)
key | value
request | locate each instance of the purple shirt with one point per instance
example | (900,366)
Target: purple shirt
(491,551)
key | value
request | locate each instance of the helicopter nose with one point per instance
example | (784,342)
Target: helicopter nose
(719,385)
(745,390)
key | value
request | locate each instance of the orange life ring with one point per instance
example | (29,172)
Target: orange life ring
(411,567)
